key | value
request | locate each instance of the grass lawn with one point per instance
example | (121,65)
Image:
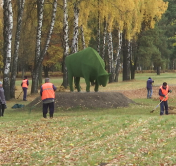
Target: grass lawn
(122,136)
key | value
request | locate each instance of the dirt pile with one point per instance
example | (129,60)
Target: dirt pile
(88,100)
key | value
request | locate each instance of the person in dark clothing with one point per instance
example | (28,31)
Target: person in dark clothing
(163,93)
(25,84)
(2,100)
(47,93)
(149,88)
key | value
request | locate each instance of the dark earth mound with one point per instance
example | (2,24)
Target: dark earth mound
(87,100)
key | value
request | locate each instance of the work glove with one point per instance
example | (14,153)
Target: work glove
(170,91)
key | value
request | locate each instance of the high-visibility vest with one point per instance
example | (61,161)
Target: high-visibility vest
(48,91)
(164,92)
(24,83)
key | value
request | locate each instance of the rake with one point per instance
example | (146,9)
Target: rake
(34,106)
(158,104)
(19,94)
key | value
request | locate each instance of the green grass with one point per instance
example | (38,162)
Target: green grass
(122,136)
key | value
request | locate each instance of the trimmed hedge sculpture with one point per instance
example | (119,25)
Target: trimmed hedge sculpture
(89,65)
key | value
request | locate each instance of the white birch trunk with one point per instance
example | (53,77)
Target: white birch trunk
(74,47)
(82,37)
(43,53)
(53,19)
(65,43)
(98,33)
(8,26)
(104,38)
(129,59)
(110,57)
(16,48)
(117,59)
(40,8)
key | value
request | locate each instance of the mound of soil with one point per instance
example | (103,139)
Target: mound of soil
(172,110)
(87,100)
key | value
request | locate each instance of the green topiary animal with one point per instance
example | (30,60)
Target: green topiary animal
(89,65)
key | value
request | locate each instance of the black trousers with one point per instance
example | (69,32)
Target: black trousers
(163,105)
(24,93)
(45,109)
(2,106)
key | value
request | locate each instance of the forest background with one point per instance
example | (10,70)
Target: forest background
(130,35)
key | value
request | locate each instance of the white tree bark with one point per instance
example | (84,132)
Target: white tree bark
(104,38)
(35,73)
(16,48)
(82,37)
(65,43)
(110,57)
(117,59)
(41,54)
(129,58)
(98,33)
(74,47)
(8,26)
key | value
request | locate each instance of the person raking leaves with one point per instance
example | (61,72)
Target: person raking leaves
(47,93)
(25,84)
(163,93)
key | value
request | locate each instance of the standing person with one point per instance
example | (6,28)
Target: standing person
(149,88)
(2,100)
(163,93)
(25,84)
(47,93)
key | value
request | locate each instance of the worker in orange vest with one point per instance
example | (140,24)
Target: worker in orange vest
(25,84)
(47,93)
(163,93)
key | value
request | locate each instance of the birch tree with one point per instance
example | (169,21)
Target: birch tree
(98,28)
(117,58)
(39,56)
(82,37)
(7,33)
(65,43)
(20,4)
(104,38)
(110,58)
(74,46)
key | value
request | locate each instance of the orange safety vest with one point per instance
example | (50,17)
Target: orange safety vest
(164,92)
(48,91)
(24,85)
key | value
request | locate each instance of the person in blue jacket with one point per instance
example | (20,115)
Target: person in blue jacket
(149,88)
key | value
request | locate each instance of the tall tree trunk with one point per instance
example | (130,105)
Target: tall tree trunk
(126,58)
(74,47)
(40,75)
(23,72)
(117,59)
(104,38)
(46,70)
(65,44)
(110,59)
(40,54)
(35,73)
(82,37)
(7,33)
(134,58)
(98,33)
(16,47)
(158,70)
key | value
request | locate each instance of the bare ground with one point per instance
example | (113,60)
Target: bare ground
(111,99)
(88,100)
